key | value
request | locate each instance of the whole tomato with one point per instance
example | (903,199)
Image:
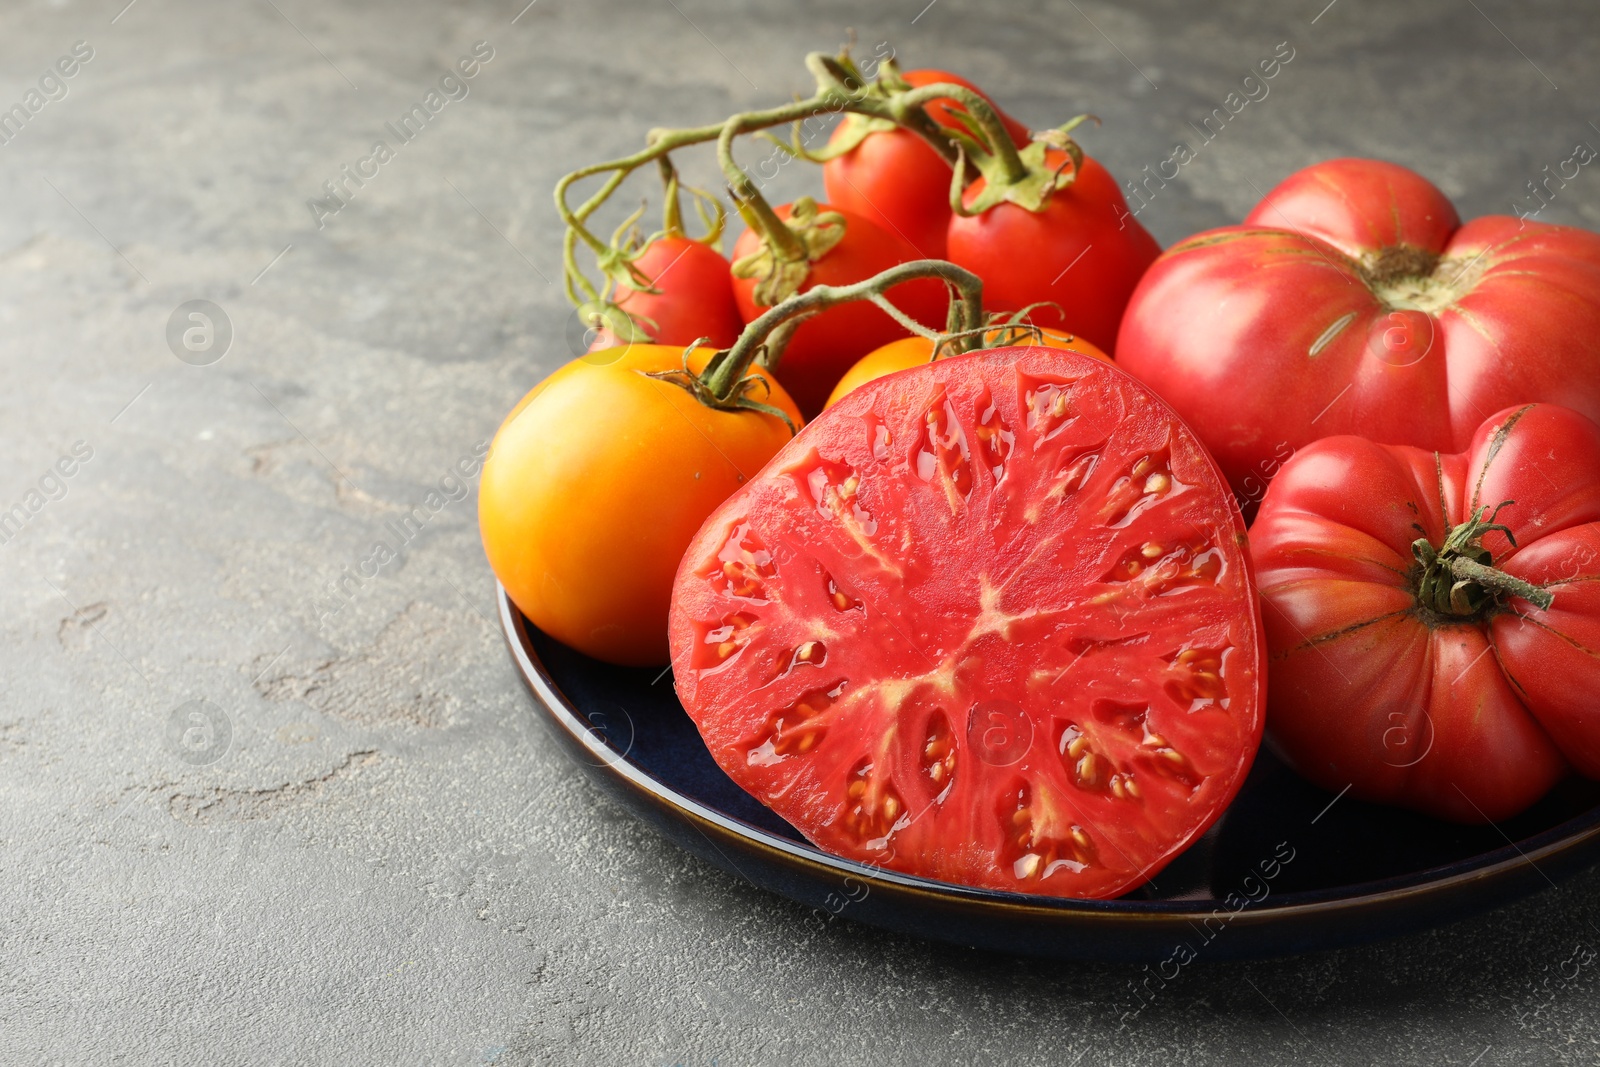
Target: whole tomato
(846,248)
(910,352)
(694,296)
(1353,301)
(1432,618)
(894,177)
(596,483)
(1081,251)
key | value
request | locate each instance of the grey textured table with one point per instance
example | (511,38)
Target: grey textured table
(364,849)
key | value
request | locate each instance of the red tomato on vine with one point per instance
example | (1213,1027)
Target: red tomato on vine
(842,248)
(694,297)
(895,178)
(1080,252)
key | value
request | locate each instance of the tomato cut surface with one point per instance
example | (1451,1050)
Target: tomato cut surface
(988,621)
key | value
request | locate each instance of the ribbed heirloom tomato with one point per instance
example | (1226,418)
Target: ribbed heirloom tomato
(597,481)
(987,621)
(1354,301)
(1433,619)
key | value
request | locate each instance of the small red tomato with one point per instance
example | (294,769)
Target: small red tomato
(695,297)
(1082,251)
(826,345)
(894,177)
(1432,619)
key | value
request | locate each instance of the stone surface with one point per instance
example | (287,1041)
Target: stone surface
(389,862)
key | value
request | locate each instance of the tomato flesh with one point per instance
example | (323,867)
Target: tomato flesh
(988,621)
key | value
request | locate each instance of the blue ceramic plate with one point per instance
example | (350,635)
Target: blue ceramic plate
(1289,868)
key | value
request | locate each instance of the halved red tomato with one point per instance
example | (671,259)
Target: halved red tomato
(988,621)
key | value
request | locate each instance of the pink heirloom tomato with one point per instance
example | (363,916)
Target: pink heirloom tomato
(1433,618)
(1353,300)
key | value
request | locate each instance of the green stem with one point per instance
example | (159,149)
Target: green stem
(658,144)
(1490,578)
(752,206)
(727,371)
(983,113)
(838,90)
(1457,579)
(672,211)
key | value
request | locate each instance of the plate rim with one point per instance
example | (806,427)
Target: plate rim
(1570,836)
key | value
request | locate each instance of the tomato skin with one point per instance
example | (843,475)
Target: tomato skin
(1084,252)
(1291,326)
(989,621)
(909,352)
(1469,720)
(897,179)
(825,346)
(597,482)
(695,298)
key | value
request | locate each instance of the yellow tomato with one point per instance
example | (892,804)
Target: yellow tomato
(597,482)
(912,351)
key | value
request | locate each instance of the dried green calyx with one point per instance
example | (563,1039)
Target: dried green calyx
(1458,580)
(1039,177)
(778,277)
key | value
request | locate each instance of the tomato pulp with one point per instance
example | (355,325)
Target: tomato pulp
(988,621)
(1353,301)
(1465,703)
